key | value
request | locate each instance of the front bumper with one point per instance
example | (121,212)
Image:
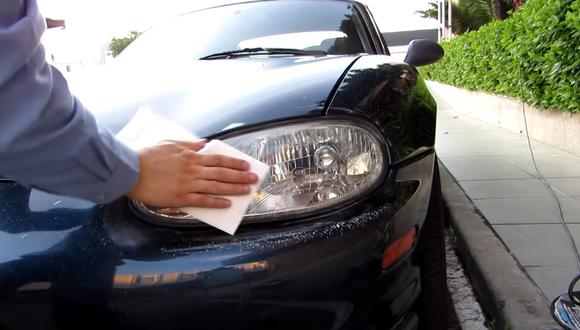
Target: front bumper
(321,274)
(104,267)
(117,272)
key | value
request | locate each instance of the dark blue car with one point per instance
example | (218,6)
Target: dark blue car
(346,232)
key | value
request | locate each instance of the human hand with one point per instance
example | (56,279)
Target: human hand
(174,174)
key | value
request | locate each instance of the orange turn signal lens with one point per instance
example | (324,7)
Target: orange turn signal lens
(399,248)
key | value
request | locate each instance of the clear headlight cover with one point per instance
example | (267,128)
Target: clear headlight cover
(313,165)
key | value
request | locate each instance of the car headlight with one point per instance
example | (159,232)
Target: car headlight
(314,165)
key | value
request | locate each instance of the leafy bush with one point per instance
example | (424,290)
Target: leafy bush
(117,45)
(469,15)
(533,55)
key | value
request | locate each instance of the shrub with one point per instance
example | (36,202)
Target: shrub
(533,55)
(117,45)
(469,15)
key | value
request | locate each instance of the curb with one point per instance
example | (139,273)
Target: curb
(508,295)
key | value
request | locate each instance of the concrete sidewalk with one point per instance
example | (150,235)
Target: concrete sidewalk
(495,168)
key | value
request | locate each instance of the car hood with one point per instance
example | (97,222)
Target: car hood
(212,96)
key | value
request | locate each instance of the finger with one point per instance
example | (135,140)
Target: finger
(227,175)
(218,188)
(223,161)
(201,200)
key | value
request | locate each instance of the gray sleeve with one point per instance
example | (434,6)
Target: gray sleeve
(47,138)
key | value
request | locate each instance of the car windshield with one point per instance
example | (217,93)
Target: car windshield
(333,27)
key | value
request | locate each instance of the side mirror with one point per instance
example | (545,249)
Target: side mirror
(423,52)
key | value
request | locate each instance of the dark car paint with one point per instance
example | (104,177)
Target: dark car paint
(372,30)
(393,97)
(258,91)
(327,268)
(71,264)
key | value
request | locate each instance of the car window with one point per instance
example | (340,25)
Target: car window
(331,26)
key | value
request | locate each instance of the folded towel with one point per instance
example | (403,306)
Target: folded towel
(148,128)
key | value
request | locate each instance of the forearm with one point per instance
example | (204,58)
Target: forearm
(47,138)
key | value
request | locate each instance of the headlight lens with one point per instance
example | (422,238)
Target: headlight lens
(313,165)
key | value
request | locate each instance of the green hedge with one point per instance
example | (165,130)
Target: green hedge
(534,55)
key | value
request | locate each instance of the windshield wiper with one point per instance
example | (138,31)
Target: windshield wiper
(263,51)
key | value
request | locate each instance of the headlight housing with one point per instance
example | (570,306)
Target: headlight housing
(314,165)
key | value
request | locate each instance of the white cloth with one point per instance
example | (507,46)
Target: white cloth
(148,128)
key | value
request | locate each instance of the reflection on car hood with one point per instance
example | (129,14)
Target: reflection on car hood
(208,97)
